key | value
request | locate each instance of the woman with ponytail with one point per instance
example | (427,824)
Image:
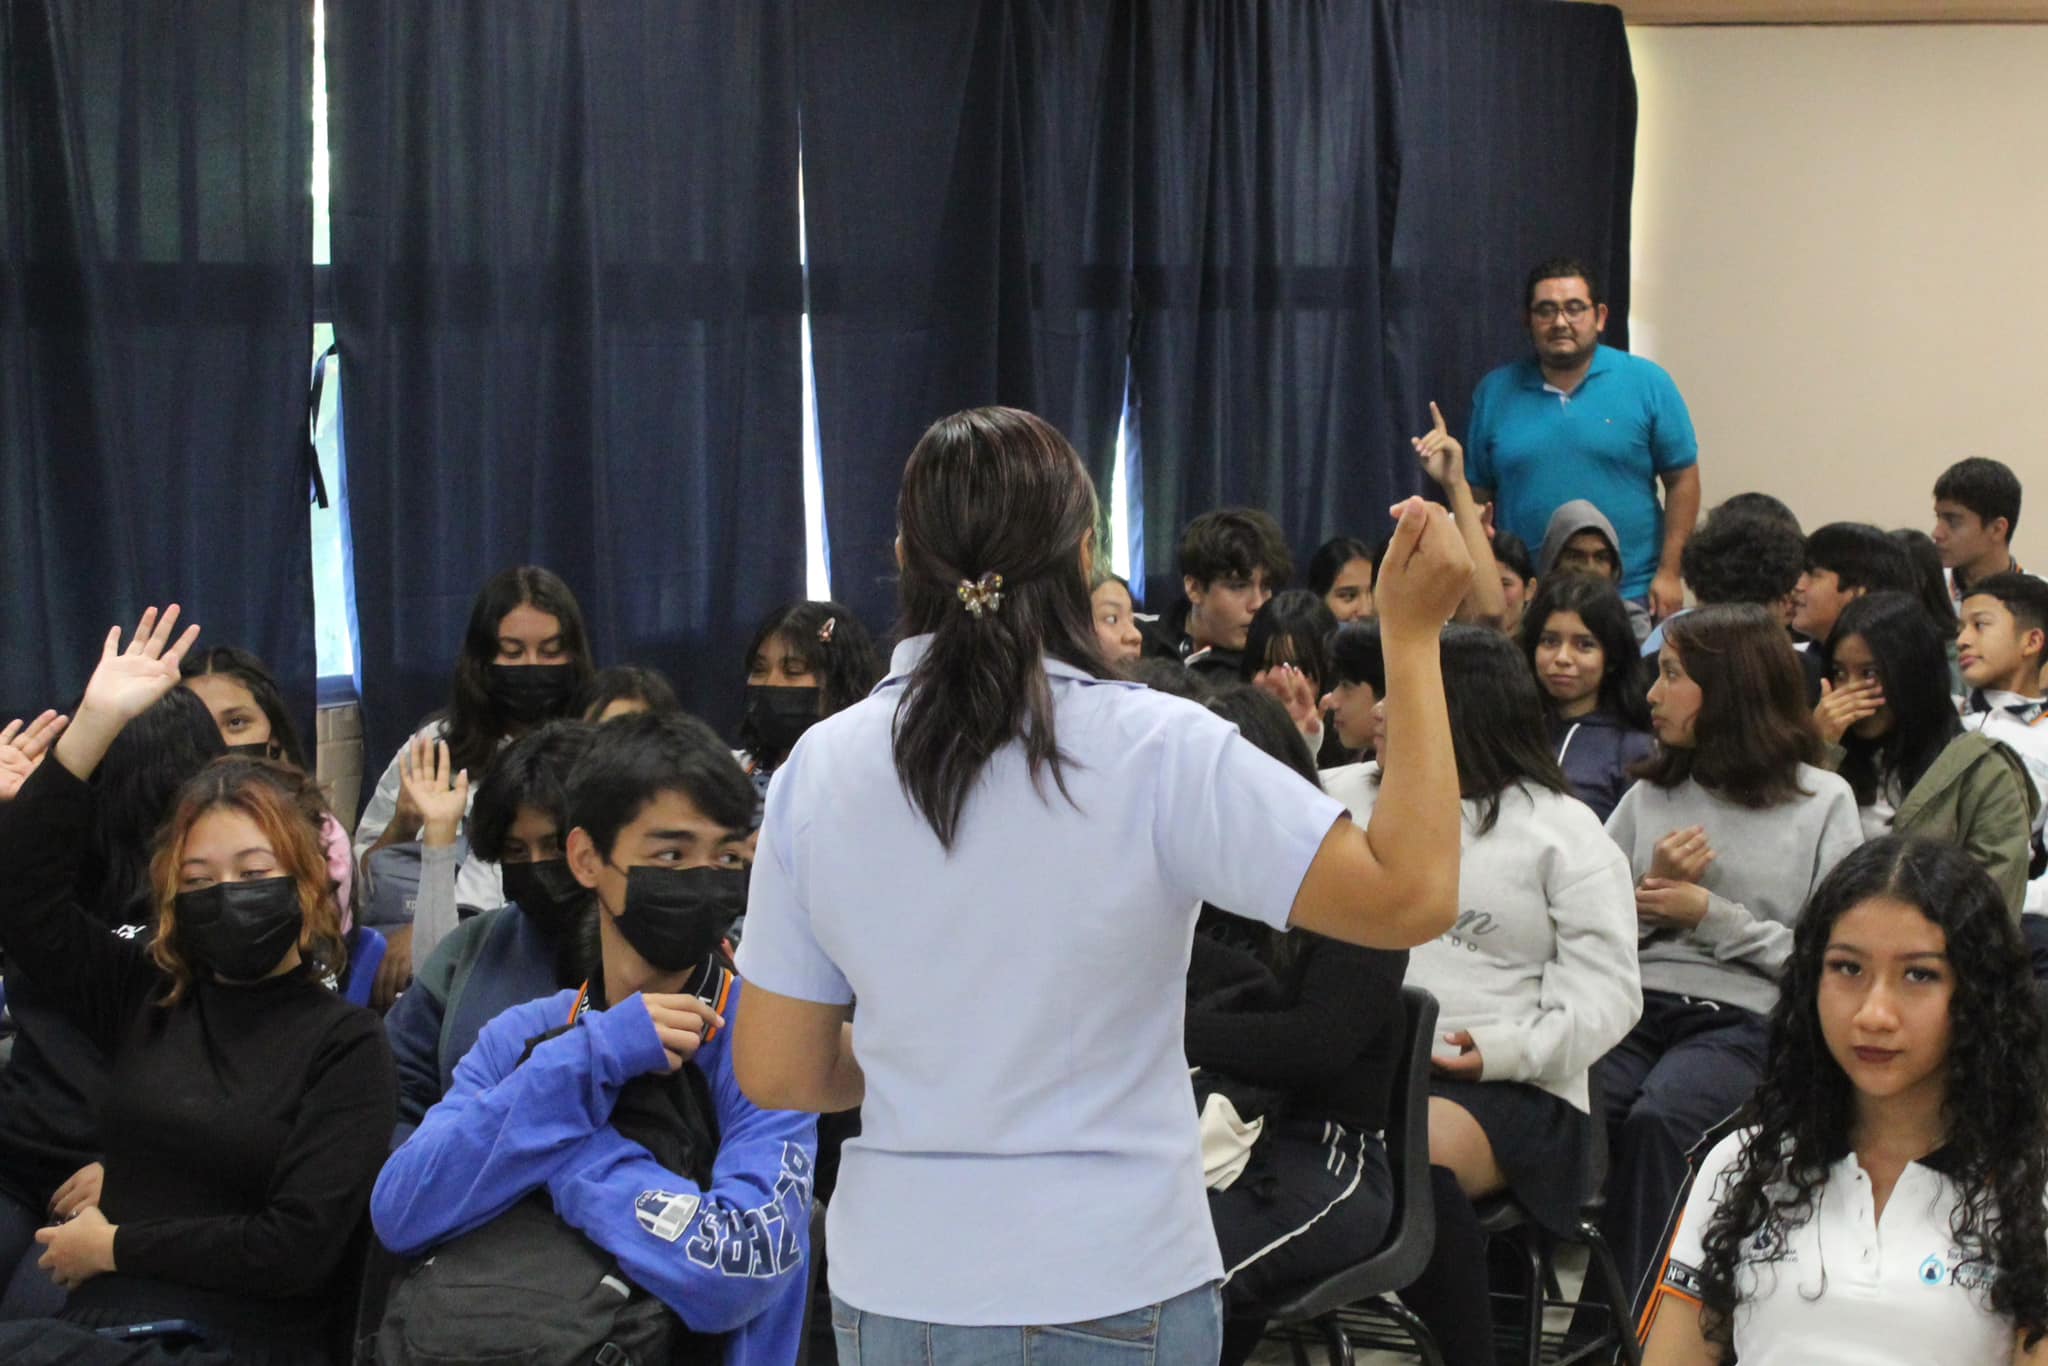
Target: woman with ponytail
(1001,853)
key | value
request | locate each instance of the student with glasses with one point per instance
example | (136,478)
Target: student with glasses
(1579,420)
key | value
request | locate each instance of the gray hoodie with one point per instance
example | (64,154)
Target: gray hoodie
(1568,521)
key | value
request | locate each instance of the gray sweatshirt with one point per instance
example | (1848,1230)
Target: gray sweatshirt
(1768,862)
(1540,966)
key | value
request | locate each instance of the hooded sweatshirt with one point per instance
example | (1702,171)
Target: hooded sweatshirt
(1567,522)
(1596,751)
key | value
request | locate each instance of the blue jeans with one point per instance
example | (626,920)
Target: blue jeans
(1186,1330)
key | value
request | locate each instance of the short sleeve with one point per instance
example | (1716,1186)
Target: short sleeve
(1479,471)
(1673,445)
(779,952)
(1233,826)
(1681,1271)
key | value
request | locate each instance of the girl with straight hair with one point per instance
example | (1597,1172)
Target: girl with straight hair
(1728,830)
(1001,853)
(1882,1203)
(1577,639)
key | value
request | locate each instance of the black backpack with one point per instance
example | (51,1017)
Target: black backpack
(529,1289)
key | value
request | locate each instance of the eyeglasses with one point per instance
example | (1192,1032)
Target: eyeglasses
(1547,311)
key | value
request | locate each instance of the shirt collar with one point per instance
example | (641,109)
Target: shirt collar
(904,659)
(1603,361)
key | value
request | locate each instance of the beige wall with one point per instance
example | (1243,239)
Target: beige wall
(1841,253)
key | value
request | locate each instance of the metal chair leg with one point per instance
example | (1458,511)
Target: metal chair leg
(1418,1332)
(1600,1263)
(1338,1343)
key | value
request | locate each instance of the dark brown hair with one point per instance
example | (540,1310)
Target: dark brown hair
(989,491)
(1754,728)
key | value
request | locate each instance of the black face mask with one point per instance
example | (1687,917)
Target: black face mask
(779,717)
(240,930)
(529,693)
(261,749)
(675,917)
(546,892)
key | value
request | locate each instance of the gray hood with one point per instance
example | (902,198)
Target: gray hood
(1567,522)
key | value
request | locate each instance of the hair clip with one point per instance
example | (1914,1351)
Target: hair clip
(825,631)
(983,595)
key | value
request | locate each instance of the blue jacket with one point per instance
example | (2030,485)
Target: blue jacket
(1596,752)
(730,1258)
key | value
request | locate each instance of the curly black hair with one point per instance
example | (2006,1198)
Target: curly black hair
(1996,1148)
(1738,555)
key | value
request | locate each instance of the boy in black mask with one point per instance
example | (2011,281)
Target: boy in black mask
(659,816)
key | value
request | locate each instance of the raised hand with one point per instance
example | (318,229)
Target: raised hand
(1841,708)
(1682,856)
(1290,687)
(1443,458)
(438,800)
(22,748)
(126,683)
(1425,572)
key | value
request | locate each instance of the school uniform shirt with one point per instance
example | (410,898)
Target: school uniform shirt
(730,1257)
(1540,965)
(1029,1152)
(1844,1286)
(1768,861)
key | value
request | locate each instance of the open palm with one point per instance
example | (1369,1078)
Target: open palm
(128,682)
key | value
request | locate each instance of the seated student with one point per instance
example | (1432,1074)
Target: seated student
(1341,573)
(530,947)
(1518,581)
(1976,512)
(1358,680)
(1581,650)
(1728,829)
(56,1074)
(658,811)
(2002,648)
(625,689)
(1882,1204)
(807,661)
(1745,551)
(1231,562)
(1844,560)
(525,656)
(246,1104)
(1534,983)
(1116,619)
(1580,540)
(1930,584)
(253,720)
(1312,1029)
(1891,730)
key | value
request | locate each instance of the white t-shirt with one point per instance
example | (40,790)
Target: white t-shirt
(1846,1288)
(1029,1150)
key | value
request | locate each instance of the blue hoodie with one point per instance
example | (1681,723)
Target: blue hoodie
(730,1258)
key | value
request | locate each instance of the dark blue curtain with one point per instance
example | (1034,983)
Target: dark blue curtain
(967,178)
(568,304)
(156,324)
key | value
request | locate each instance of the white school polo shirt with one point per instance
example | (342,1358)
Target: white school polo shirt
(1896,1290)
(1029,1149)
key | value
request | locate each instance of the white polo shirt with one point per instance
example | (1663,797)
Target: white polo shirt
(1846,1288)
(1029,1150)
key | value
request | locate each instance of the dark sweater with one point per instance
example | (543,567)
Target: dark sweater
(243,1126)
(1596,751)
(1328,1036)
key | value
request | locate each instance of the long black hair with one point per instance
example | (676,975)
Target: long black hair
(1330,558)
(135,789)
(475,724)
(627,683)
(830,639)
(1912,666)
(1496,713)
(1294,627)
(1599,606)
(229,661)
(1926,558)
(997,513)
(1995,1147)
(1754,728)
(1266,724)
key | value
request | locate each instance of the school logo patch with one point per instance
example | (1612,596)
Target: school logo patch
(664,1214)
(1933,1271)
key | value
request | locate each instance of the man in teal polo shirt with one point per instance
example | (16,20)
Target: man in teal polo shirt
(1581,420)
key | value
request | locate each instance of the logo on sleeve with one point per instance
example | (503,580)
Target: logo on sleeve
(665,1215)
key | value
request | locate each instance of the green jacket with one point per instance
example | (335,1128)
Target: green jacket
(1977,795)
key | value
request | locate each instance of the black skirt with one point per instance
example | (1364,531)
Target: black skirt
(1543,1145)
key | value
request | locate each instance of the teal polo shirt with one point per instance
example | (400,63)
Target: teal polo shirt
(1606,442)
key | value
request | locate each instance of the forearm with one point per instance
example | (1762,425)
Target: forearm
(1487,603)
(86,740)
(1414,829)
(1681,514)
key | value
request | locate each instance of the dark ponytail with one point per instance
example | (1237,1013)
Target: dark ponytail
(989,492)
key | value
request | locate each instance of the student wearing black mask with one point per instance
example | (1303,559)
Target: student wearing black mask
(525,660)
(660,816)
(807,661)
(528,948)
(247,1102)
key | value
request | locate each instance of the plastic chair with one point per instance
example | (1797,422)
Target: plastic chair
(365,955)
(1408,1247)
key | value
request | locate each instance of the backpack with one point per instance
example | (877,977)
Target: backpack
(529,1289)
